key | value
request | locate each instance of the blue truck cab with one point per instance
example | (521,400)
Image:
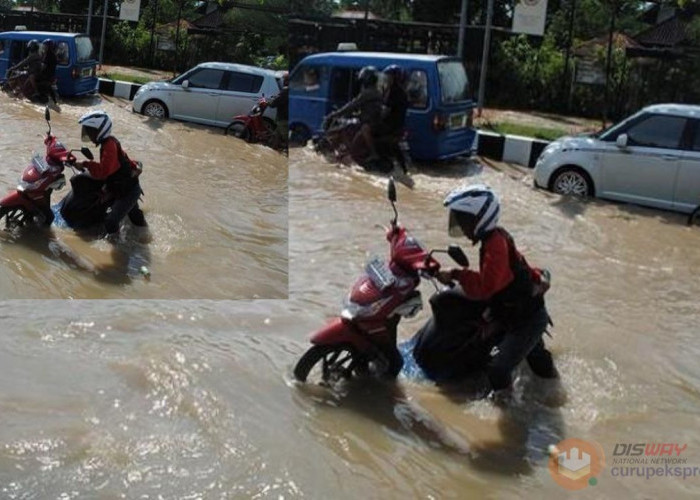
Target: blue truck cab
(76,69)
(439,117)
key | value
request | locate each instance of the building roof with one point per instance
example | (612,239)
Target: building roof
(668,33)
(354,14)
(620,40)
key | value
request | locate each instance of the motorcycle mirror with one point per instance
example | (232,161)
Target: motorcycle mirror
(87,153)
(391,190)
(47,114)
(458,255)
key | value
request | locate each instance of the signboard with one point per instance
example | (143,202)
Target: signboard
(587,71)
(130,10)
(529,17)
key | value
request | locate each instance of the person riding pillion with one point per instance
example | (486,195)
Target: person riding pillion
(512,288)
(49,62)
(369,104)
(395,105)
(116,169)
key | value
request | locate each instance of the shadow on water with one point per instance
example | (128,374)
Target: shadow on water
(524,429)
(130,257)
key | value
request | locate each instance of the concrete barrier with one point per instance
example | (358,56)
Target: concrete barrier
(510,148)
(116,88)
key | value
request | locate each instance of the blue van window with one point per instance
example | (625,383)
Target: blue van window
(417,89)
(17,50)
(83,46)
(62,53)
(307,79)
(341,85)
(454,84)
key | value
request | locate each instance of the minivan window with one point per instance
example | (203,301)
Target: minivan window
(657,131)
(695,144)
(62,53)
(307,79)
(417,89)
(341,86)
(206,78)
(244,82)
(17,51)
(84,48)
(454,83)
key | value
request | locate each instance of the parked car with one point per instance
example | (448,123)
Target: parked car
(76,68)
(211,93)
(651,158)
(439,116)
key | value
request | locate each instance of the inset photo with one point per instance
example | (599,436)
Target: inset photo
(146,156)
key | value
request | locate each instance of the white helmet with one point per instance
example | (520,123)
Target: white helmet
(479,203)
(98,120)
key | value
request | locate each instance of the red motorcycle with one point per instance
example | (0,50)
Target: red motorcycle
(253,127)
(31,200)
(363,338)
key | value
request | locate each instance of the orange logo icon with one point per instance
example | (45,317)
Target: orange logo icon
(575,463)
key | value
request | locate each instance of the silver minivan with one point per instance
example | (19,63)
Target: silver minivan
(651,158)
(211,93)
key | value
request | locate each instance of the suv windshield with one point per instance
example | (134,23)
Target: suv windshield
(454,83)
(84,46)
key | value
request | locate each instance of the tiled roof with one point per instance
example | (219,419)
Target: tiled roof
(212,20)
(666,34)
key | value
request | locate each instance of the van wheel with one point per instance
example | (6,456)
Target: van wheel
(299,135)
(572,181)
(155,109)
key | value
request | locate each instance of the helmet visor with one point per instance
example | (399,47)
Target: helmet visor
(460,224)
(86,134)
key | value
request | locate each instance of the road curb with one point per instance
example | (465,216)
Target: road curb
(117,88)
(510,148)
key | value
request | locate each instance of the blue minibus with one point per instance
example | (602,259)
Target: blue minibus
(439,117)
(76,69)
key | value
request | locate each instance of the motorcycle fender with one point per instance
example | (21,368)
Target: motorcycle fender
(15,199)
(340,332)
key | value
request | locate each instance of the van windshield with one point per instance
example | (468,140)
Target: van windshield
(454,83)
(84,46)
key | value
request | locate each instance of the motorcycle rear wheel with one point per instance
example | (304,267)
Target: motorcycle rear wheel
(334,361)
(14,216)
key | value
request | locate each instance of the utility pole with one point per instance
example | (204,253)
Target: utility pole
(104,30)
(609,62)
(462,29)
(89,18)
(177,36)
(568,51)
(153,28)
(485,57)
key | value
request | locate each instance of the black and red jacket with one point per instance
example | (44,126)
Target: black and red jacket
(114,167)
(504,280)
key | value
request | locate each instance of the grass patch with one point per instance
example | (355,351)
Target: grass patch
(122,77)
(507,128)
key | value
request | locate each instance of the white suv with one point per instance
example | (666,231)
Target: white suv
(652,158)
(211,93)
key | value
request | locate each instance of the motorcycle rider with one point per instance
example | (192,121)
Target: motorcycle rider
(32,63)
(281,102)
(369,103)
(513,290)
(119,173)
(48,68)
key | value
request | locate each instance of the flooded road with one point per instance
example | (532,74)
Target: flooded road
(216,206)
(194,399)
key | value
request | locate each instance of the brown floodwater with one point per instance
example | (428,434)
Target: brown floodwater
(216,206)
(195,399)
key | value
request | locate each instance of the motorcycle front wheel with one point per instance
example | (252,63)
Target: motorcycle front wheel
(327,364)
(238,129)
(14,217)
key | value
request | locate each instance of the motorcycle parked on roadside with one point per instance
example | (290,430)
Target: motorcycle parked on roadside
(337,145)
(253,127)
(363,338)
(30,202)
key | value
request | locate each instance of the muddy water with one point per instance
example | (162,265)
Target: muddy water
(193,399)
(217,210)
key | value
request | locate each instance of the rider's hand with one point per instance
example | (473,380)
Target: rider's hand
(81,165)
(444,277)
